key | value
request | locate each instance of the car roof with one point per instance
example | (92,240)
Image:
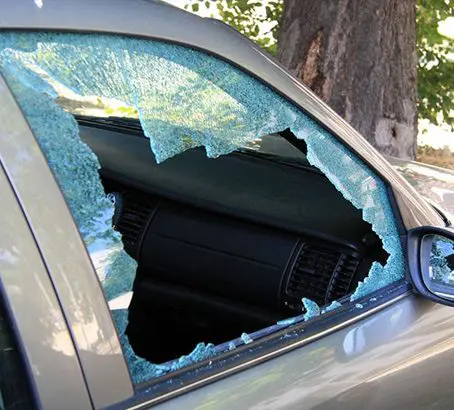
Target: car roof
(158,20)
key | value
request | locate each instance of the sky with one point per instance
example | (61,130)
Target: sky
(446,27)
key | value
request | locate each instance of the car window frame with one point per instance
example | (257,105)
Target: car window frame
(340,318)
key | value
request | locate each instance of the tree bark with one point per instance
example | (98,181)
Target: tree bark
(359,56)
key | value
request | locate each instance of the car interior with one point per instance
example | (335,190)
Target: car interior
(226,245)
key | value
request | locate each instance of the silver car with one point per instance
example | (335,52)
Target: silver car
(185,225)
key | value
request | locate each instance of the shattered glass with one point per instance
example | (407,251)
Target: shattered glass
(184,99)
(290,321)
(439,275)
(365,191)
(333,306)
(246,338)
(312,309)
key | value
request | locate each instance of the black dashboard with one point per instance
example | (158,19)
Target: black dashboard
(297,199)
(237,240)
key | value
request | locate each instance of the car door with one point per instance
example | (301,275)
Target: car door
(345,358)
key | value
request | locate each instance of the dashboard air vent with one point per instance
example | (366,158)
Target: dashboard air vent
(133,209)
(320,274)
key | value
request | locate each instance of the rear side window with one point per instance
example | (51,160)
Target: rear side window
(14,389)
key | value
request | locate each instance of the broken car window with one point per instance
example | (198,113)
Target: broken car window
(183,99)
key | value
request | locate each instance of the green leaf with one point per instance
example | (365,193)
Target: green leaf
(195,7)
(269,12)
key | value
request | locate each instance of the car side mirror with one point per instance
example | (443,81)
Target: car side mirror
(431,262)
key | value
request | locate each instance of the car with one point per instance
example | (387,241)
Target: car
(435,184)
(185,225)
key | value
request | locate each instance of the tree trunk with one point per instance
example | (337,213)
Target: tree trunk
(359,56)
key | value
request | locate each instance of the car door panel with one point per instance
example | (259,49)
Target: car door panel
(399,357)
